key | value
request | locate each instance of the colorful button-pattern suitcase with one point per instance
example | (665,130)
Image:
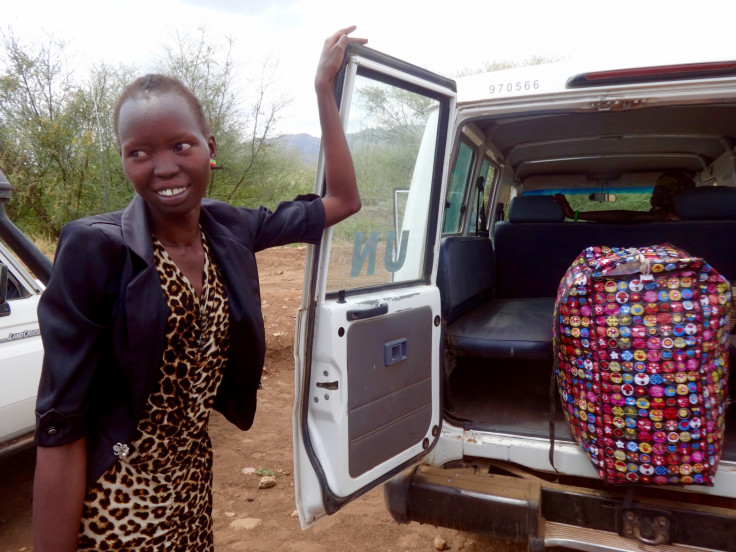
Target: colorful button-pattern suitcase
(641,348)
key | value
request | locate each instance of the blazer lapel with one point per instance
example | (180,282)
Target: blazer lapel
(146,311)
(236,262)
(137,230)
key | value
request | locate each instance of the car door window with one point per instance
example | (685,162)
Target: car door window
(13,289)
(389,128)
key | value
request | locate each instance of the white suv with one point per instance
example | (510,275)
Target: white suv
(424,342)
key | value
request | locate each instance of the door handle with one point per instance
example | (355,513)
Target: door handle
(362,314)
(395,351)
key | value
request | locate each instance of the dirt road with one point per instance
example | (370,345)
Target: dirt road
(238,502)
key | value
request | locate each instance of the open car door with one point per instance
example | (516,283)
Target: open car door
(367,401)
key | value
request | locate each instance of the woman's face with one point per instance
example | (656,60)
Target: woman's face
(166,154)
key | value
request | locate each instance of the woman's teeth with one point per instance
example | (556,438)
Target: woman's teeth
(171,191)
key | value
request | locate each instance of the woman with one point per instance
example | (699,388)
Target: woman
(151,318)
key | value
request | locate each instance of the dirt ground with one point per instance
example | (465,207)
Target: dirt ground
(246,517)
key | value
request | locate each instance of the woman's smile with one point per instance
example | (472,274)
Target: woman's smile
(170,192)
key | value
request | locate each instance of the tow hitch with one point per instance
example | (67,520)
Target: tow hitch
(647,526)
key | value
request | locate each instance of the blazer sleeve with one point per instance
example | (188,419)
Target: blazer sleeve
(74,313)
(301,220)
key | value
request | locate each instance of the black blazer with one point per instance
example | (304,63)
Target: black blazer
(103,319)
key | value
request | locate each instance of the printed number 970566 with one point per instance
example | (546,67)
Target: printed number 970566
(517,86)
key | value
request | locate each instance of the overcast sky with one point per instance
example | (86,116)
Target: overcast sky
(428,33)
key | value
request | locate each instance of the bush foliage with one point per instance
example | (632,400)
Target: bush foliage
(58,149)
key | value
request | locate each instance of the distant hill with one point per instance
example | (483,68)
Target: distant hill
(305,145)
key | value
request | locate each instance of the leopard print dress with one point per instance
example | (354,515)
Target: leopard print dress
(158,496)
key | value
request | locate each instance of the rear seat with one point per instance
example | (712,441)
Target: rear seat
(479,326)
(533,252)
(494,326)
(498,298)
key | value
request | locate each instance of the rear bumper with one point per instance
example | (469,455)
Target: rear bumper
(545,514)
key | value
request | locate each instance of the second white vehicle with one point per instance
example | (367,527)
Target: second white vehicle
(21,350)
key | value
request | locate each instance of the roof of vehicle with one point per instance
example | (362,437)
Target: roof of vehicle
(561,77)
(541,123)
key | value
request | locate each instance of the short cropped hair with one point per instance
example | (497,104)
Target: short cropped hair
(669,185)
(157,84)
(677,180)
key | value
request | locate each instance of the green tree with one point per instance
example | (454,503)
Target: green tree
(100,93)
(57,144)
(384,149)
(46,142)
(395,111)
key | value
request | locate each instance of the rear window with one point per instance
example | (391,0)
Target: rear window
(582,199)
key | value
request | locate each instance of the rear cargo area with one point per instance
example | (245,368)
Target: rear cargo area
(498,289)
(513,397)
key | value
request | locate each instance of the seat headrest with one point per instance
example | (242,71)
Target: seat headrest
(536,208)
(707,203)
